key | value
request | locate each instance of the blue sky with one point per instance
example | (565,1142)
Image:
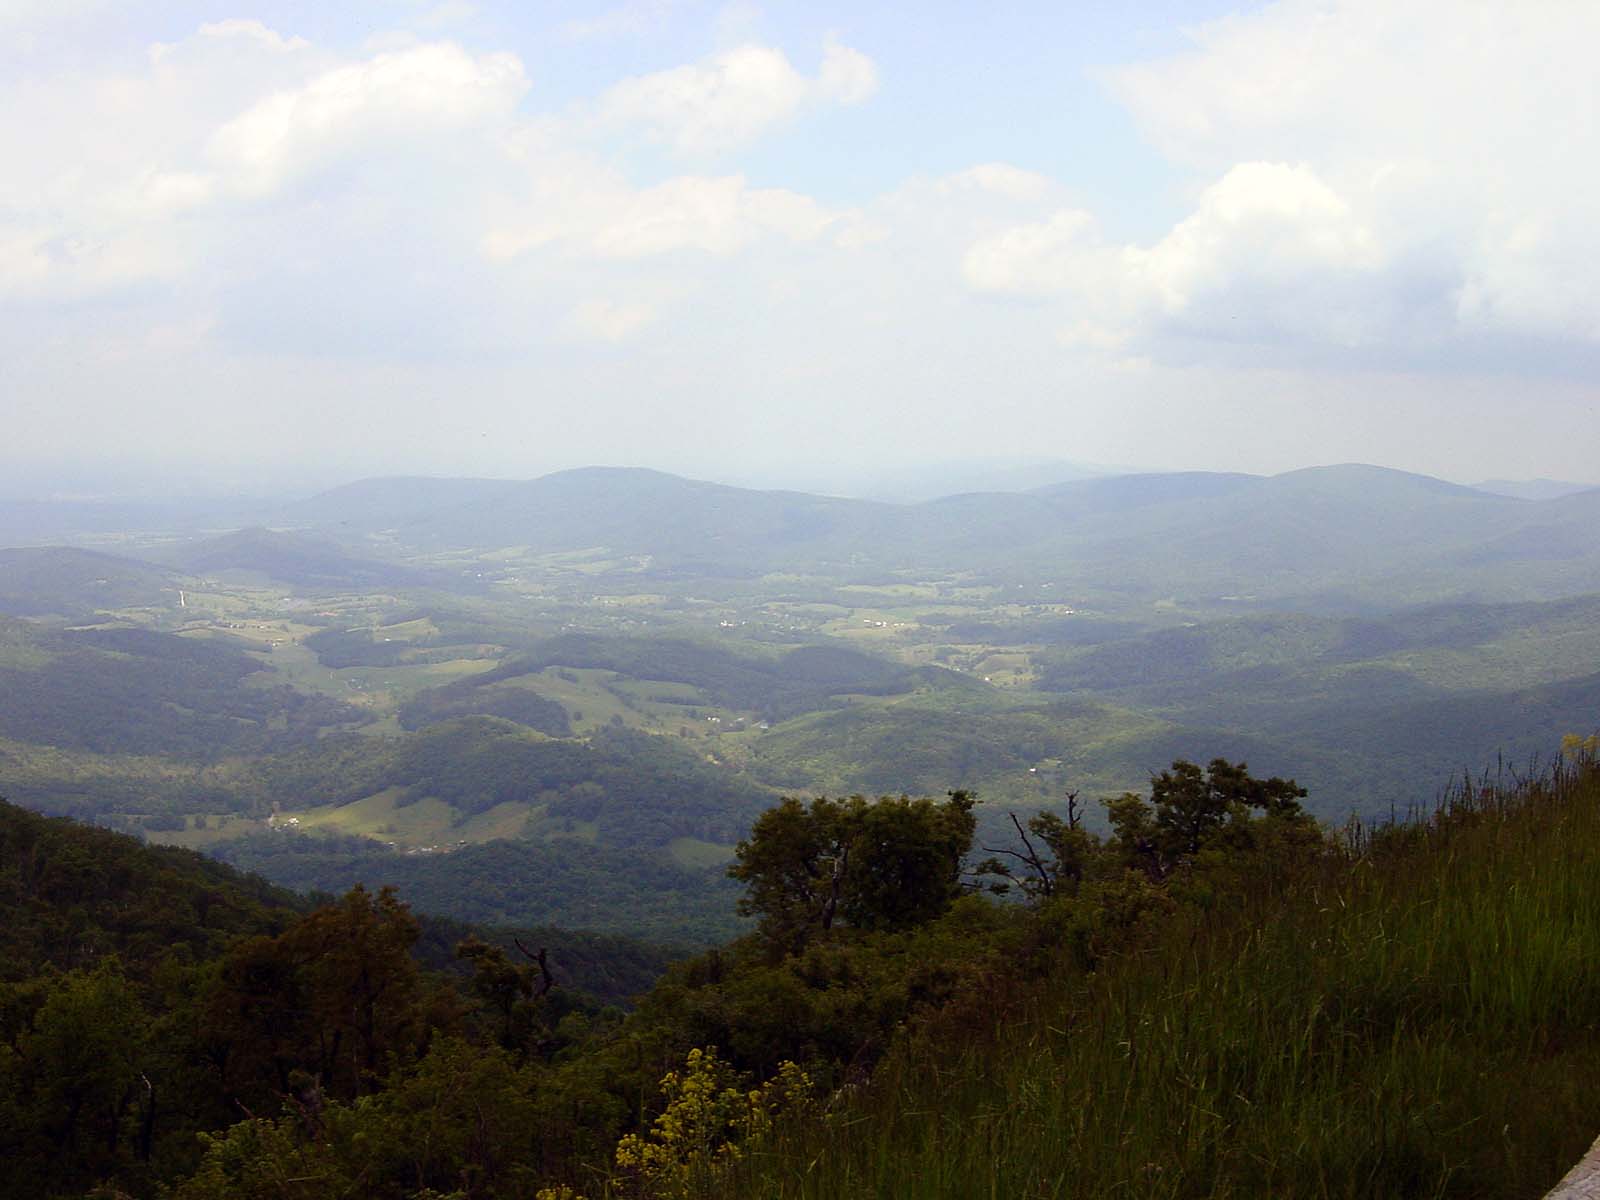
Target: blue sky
(788,242)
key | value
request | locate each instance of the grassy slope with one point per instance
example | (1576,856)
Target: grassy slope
(1420,1018)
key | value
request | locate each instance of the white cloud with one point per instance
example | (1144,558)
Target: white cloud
(1035,259)
(609,321)
(1262,225)
(104,169)
(402,218)
(271,194)
(717,216)
(256,31)
(1448,156)
(1270,252)
(403,95)
(43,264)
(711,215)
(1000,179)
(161,173)
(731,98)
(847,76)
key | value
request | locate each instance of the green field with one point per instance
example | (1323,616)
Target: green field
(802,678)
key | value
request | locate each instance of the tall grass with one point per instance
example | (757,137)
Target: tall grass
(1417,1014)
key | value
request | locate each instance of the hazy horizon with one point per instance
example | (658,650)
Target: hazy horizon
(902,483)
(281,246)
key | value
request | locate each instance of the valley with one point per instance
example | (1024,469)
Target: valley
(401,673)
(657,601)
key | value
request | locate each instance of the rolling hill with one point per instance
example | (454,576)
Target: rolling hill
(63,581)
(299,560)
(1341,538)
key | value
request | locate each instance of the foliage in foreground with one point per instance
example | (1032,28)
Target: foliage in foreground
(1414,1013)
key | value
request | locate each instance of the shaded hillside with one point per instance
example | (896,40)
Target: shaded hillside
(774,687)
(1352,537)
(140,692)
(1123,493)
(1532,489)
(641,893)
(1535,638)
(148,997)
(1333,532)
(906,748)
(1218,1000)
(1369,713)
(376,505)
(72,894)
(59,580)
(610,967)
(633,789)
(304,562)
(639,512)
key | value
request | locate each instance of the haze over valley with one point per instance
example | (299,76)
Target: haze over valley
(770,601)
(392,679)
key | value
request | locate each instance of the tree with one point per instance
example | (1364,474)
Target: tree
(1055,866)
(510,993)
(80,1070)
(333,996)
(1191,810)
(883,864)
(1191,813)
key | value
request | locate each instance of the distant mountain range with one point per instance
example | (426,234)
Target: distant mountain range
(1532,489)
(914,483)
(1338,539)
(1343,537)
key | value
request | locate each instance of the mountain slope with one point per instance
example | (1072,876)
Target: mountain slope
(136,691)
(1532,489)
(37,581)
(1344,537)
(71,894)
(371,505)
(296,559)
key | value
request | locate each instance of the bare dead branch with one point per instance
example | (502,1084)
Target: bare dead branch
(546,979)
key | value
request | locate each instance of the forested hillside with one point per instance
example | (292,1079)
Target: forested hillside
(136,691)
(1217,997)
(1354,537)
(73,896)
(148,994)
(641,891)
(61,580)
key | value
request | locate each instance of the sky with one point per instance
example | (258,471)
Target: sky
(251,243)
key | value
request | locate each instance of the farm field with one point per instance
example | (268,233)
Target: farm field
(419,693)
